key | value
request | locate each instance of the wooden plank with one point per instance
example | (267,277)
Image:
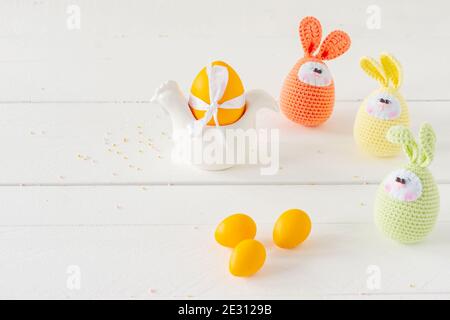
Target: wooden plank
(79,143)
(152,41)
(104,232)
(151,262)
(186,205)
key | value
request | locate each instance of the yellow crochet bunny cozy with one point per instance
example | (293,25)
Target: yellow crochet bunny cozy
(382,109)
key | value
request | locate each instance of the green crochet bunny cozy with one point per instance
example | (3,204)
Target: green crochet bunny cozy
(407,201)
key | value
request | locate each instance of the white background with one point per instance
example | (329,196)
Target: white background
(136,226)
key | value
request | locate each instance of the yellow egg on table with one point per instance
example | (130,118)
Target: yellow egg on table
(232,102)
(234,229)
(291,229)
(247,258)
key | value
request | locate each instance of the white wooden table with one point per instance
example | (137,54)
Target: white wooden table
(79,203)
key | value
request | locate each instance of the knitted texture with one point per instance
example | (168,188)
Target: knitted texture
(382,109)
(409,218)
(303,103)
(307,95)
(408,222)
(370,132)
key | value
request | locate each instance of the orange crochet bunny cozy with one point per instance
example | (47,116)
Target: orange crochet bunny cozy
(307,96)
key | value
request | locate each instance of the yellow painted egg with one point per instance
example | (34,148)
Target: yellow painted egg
(291,229)
(247,258)
(231,104)
(234,229)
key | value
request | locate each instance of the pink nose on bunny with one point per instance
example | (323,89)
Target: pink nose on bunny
(399,185)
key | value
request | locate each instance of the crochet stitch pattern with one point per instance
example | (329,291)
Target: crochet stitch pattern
(382,109)
(307,95)
(409,218)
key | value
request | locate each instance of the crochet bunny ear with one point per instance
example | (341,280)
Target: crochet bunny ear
(310,34)
(403,136)
(392,69)
(427,139)
(334,45)
(373,69)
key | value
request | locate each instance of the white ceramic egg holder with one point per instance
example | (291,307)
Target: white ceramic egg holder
(170,97)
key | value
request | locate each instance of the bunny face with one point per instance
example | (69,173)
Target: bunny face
(403,185)
(315,73)
(383,105)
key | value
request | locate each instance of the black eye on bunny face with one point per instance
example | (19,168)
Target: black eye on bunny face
(317,70)
(400,180)
(403,181)
(385,101)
